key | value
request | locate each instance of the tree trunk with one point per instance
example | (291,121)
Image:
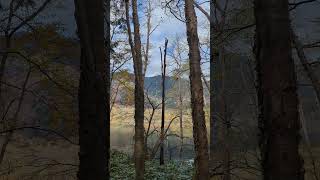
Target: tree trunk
(94,111)
(213,57)
(164,66)
(139,151)
(224,121)
(149,26)
(180,118)
(219,148)
(278,103)
(197,104)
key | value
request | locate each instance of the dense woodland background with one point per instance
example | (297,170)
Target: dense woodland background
(169,89)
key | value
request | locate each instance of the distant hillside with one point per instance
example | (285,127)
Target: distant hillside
(153,85)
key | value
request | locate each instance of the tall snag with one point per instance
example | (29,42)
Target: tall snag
(197,104)
(163,68)
(277,96)
(93,91)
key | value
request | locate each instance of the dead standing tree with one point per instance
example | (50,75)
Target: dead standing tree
(163,73)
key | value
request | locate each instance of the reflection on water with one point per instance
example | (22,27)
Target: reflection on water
(122,140)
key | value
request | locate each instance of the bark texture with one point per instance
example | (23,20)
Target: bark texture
(277,96)
(139,147)
(94,94)
(197,104)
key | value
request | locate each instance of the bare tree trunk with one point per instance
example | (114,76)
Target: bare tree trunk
(180,118)
(139,148)
(164,66)
(94,102)
(213,57)
(146,55)
(278,102)
(160,140)
(197,104)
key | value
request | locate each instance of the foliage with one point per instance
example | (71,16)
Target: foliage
(122,167)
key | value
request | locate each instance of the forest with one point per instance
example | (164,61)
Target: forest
(160,89)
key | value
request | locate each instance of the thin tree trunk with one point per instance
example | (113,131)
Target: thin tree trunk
(146,55)
(160,140)
(197,104)
(277,93)
(180,118)
(164,66)
(94,102)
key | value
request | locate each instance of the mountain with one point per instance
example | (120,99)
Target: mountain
(153,85)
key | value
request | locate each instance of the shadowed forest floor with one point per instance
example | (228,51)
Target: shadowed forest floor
(56,159)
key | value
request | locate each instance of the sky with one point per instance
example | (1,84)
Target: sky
(169,26)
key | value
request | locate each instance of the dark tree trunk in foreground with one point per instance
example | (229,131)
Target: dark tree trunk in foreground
(197,104)
(93,91)
(213,57)
(220,153)
(277,96)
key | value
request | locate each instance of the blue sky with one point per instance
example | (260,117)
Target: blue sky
(168,27)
